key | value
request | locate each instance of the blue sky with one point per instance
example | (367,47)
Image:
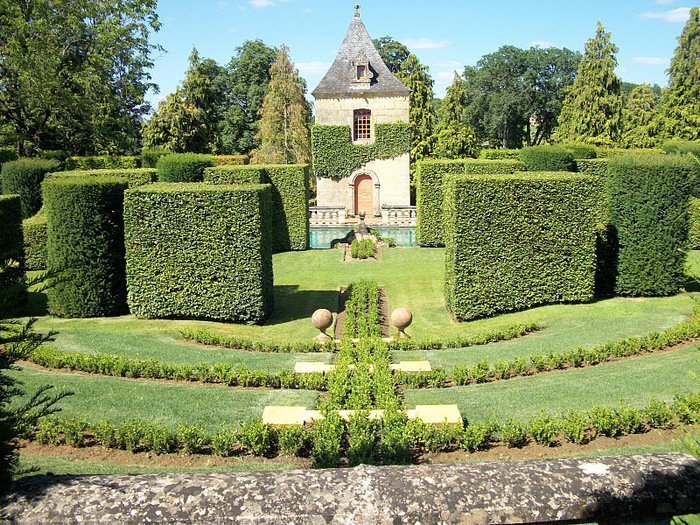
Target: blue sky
(445,35)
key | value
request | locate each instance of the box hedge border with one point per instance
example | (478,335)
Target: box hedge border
(196,250)
(517,241)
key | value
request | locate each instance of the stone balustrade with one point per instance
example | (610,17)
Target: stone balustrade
(326,216)
(399,216)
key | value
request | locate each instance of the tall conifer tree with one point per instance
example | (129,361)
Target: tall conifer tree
(592,110)
(640,119)
(422,114)
(681,100)
(284,132)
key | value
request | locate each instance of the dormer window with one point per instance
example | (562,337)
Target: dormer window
(361,72)
(362,124)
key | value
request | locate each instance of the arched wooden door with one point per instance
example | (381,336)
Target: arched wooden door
(364,192)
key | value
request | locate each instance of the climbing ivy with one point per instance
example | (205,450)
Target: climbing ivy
(335,156)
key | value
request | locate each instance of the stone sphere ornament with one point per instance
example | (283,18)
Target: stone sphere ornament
(322,319)
(401,318)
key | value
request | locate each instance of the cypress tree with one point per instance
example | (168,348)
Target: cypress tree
(592,110)
(284,132)
(640,119)
(681,101)
(422,114)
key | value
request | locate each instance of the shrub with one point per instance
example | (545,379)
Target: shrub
(74,431)
(362,440)
(573,424)
(355,249)
(513,433)
(58,155)
(605,421)
(543,428)
(694,224)
(231,174)
(295,441)
(499,154)
(547,158)
(158,439)
(658,414)
(258,438)
(49,432)
(581,151)
(199,251)
(597,167)
(648,207)
(105,433)
(682,147)
(430,176)
(103,162)
(230,160)
(23,177)
(631,421)
(130,434)
(191,437)
(475,436)
(150,156)
(687,407)
(397,438)
(86,244)
(34,230)
(327,436)
(183,167)
(11,241)
(223,441)
(7,154)
(515,241)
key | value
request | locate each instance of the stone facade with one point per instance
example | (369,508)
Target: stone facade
(342,92)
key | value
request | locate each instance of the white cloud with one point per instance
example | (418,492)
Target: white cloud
(424,43)
(449,63)
(651,61)
(664,1)
(674,16)
(262,3)
(232,29)
(540,43)
(223,5)
(308,10)
(313,68)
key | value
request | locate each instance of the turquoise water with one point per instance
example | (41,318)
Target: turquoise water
(322,236)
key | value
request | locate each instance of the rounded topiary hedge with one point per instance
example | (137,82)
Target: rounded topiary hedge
(183,167)
(85,231)
(23,177)
(548,158)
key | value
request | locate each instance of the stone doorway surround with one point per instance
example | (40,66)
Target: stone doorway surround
(352,191)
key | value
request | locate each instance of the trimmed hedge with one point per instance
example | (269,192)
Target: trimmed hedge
(648,207)
(199,251)
(499,166)
(11,243)
(499,154)
(35,238)
(230,160)
(102,162)
(682,147)
(581,151)
(135,177)
(548,158)
(183,167)
(232,174)
(86,244)
(23,177)
(606,153)
(694,224)
(597,167)
(516,241)
(7,154)
(150,156)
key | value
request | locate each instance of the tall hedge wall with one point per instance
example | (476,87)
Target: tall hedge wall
(592,166)
(35,239)
(430,177)
(648,207)
(232,174)
(86,243)
(694,224)
(516,241)
(183,167)
(11,243)
(548,158)
(23,177)
(199,251)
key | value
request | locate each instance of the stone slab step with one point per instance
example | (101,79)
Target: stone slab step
(313,367)
(429,414)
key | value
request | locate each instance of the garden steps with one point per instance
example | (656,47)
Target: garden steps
(294,415)
(313,367)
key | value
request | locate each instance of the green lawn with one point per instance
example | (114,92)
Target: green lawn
(633,381)
(117,399)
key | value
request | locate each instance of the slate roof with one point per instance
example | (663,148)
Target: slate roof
(339,79)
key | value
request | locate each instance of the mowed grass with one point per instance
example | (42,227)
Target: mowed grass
(117,399)
(634,381)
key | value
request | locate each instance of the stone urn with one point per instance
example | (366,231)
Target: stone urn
(322,319)
(401,318)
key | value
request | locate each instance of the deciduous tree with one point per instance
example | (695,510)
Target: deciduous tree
(393,53)
(422,114)
(640,119)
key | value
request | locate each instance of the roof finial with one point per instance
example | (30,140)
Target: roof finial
(357,10)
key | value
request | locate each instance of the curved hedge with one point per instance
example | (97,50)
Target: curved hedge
(86,244)
(23,177)
(199,251)
(35,238)
(11,243)
(547,158)
(648,200)
(183,167)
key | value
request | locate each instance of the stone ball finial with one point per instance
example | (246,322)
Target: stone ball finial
(401,318)
(322,319)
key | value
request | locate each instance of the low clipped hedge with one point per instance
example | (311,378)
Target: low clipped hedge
(581,151)
(23,177)
(135,177)
(682,147)
(85,244)
(102,162)
(694,224)
(35,239)
(499,154)
(150,156)
(597,167)
(11,243)
(199,251)
(478,166)
(232,174)
(516,241)
(648,208)
(606,152)
(183,167)
(548,158)
(230,160)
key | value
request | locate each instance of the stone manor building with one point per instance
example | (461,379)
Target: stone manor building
(359,94)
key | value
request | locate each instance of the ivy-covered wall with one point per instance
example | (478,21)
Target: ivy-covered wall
(335,156)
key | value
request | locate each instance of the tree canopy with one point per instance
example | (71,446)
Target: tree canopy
(642,126)
(73,75)
(422,114)
(393,53)
(592,110)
